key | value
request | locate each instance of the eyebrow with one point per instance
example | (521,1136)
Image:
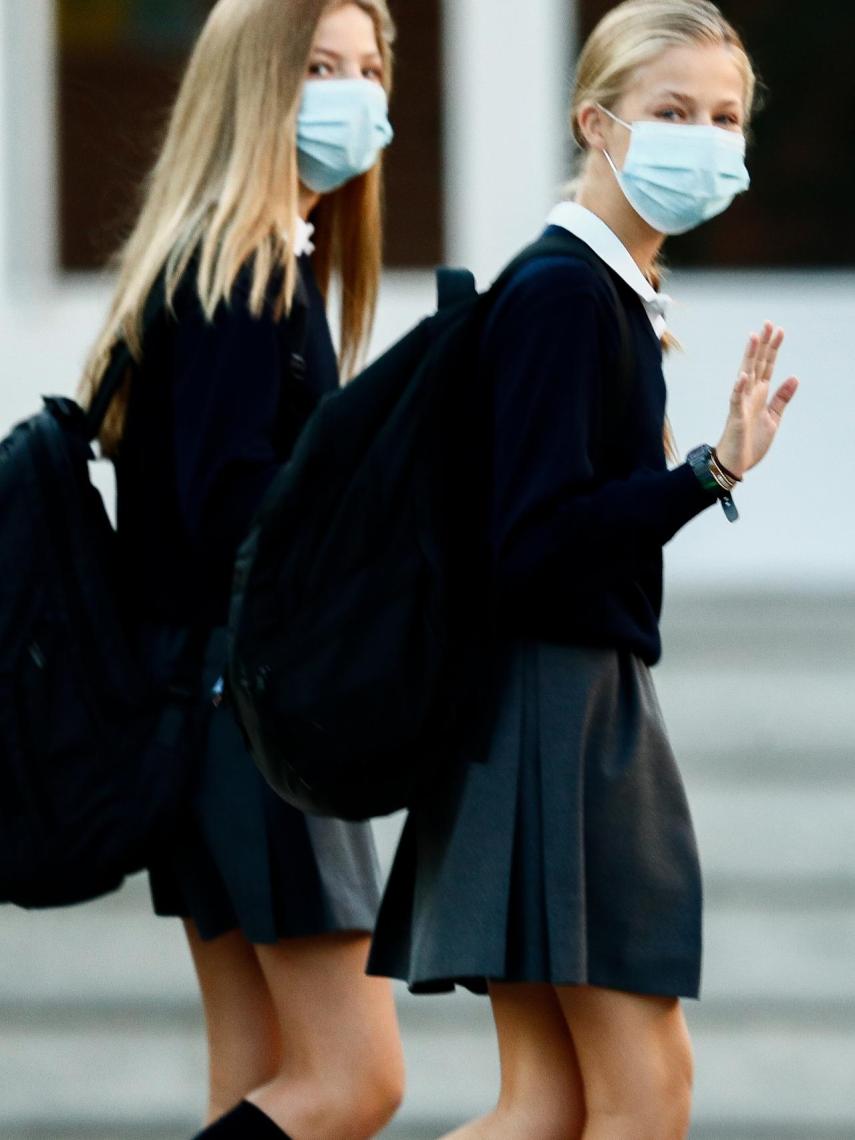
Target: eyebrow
(681,97)
(369,55)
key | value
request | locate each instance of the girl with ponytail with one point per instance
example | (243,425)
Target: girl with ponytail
(554,867)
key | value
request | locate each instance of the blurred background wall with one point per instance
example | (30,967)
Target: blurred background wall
(760,627)
(481,154)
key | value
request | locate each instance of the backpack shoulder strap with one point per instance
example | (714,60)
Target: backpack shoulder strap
(565,244)
(454,286)
(121,358)
(298,321)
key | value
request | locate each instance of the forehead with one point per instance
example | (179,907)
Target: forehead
(347,29)
(705,73)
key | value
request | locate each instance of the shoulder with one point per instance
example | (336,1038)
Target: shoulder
(236,310)
(556,292)
(551,283)
(562,272)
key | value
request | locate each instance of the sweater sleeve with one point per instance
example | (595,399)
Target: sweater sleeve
(228,383)
(551,345)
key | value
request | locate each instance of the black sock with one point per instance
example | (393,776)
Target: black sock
(246,1122)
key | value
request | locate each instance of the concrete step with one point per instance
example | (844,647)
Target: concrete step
(103,969)
(786,834)
(124,1076)
(101,1035)
(791,708)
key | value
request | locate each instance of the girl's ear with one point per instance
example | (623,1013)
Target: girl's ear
(592,122)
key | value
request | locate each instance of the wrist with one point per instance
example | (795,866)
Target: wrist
(715,479)
(728,463)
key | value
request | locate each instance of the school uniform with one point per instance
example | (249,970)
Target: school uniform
(560,849)
(212,417)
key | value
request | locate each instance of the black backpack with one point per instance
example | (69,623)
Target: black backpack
(93,755)
(361,617)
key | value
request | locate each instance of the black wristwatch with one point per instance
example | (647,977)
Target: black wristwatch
(713,478)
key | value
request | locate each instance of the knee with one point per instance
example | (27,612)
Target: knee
(354,1106)
(653,1104)
(674,1102)
(669,1097)
(381,1079)
(229,1085)
(376,1091)
(374,1103)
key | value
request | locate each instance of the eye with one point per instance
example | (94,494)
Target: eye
(320,70)
(372,73)
(671,115)
(730,122)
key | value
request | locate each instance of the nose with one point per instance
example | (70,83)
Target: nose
(351,69)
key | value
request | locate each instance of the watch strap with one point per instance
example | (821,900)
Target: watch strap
(701,460)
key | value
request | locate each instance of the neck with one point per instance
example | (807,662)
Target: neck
(600,193)
(307,202)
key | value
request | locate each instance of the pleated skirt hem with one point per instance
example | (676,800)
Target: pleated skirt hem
(563,853)
(243,859)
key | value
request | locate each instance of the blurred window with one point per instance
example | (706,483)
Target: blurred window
(120,62)
(799,210)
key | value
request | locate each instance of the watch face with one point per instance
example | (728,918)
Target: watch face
(699,455)
(699,461)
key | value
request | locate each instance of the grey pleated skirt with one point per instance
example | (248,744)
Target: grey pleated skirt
(563,853)
(243,859)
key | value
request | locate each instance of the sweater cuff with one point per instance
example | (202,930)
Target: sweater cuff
(689,499)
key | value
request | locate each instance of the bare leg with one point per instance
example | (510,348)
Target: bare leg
(342,1071)
(636,1062)
(244,1044)
(541,1094)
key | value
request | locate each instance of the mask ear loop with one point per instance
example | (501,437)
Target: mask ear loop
(612,115)
(623,123)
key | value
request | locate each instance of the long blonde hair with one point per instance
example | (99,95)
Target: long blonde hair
(225,187)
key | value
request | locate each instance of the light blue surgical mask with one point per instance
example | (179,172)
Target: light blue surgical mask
(677,176)
(342,127)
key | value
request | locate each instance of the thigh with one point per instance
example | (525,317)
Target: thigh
(634,1050)
(541,1091)
(242,1027)
(327,1006)
(537,1053)
(231,980)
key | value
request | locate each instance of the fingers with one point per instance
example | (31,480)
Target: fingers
(749,360)
(767,355)
(761,355)
(740,388)
(782,397)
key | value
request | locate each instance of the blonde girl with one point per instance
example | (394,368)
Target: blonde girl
(268,185)
(560,874)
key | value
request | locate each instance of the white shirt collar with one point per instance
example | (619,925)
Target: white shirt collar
(303,243)
(605,243)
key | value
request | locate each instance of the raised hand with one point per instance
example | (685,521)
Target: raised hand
(754,419)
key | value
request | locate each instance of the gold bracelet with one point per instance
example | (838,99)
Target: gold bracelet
(724,479)
(735,478)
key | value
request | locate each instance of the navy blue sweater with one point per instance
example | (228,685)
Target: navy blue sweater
(579,521)
(212,416)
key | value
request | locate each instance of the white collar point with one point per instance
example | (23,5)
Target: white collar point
(593,231)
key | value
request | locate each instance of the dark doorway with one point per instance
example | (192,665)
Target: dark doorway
(119,65)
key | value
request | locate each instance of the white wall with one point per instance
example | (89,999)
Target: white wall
(28,170)
(797,529)
(4,147)
(798,524)
(508,69)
